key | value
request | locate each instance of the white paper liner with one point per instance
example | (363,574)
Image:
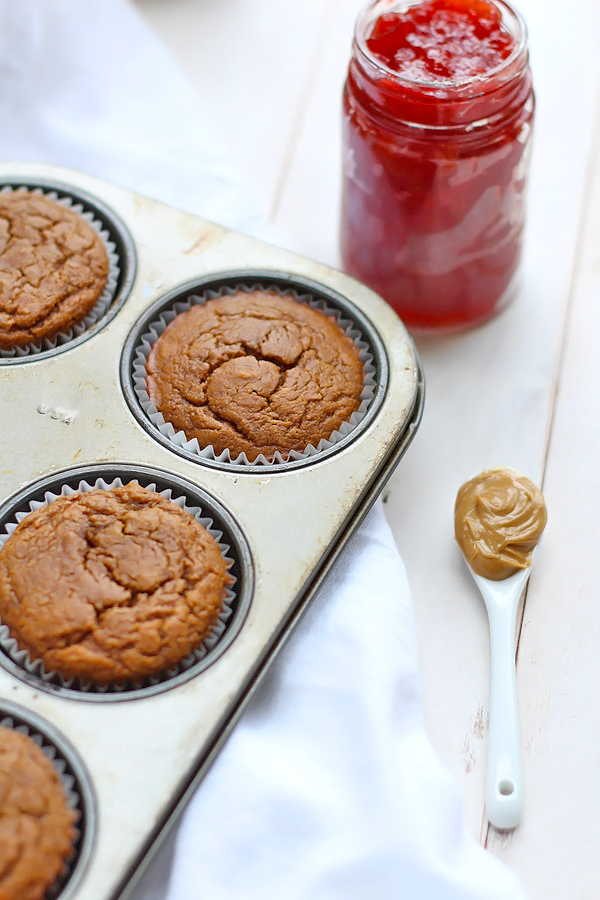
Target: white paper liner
(36,666)
(70,787)
(105,299)
(180,439)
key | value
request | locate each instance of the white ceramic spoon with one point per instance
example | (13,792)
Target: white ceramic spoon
(504,775)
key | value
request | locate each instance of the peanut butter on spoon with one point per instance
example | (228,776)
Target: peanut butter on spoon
(499,517)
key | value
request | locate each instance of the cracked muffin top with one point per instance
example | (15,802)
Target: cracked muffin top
(36,823)
(255,372)
(111,585)
(53,268)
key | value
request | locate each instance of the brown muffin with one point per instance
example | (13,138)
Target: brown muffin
(255,372)
(111,585)
(53,268)
(36,823)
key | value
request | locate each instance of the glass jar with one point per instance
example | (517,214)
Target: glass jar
(434,177)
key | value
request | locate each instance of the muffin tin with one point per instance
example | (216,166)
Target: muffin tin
(72,415)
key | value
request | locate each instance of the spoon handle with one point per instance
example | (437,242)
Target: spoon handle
(504,778)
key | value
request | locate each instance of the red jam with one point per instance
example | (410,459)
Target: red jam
(438,110)
(441,40)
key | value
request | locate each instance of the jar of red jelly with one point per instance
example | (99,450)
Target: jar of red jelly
(438,115)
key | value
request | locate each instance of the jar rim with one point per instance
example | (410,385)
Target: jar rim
(379,7)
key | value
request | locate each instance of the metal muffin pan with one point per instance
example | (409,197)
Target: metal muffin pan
(69,413)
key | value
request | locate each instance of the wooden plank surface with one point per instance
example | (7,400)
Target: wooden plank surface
(520,391)
(558,661)
(490,396)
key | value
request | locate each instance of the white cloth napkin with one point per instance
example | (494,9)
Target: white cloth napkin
(328,788)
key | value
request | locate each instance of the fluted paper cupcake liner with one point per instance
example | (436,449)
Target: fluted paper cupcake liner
(105,299)
(191,445)
(37,668)
(70,786)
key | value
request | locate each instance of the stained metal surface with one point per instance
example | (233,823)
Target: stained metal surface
(144,755)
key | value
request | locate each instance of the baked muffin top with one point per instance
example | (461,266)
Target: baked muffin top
(53,268)
(255,372)
(36,822)
(111,585)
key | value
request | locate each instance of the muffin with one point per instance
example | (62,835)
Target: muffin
(109,586)
(255,372)
(36,823)
(53,268)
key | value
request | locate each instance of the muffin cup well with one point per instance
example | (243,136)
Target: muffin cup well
(317,297)
(76,784)
(233,607)
(119,250)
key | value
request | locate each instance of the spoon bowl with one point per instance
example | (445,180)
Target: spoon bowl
(504,795)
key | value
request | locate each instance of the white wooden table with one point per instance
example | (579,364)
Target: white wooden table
(522,391)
